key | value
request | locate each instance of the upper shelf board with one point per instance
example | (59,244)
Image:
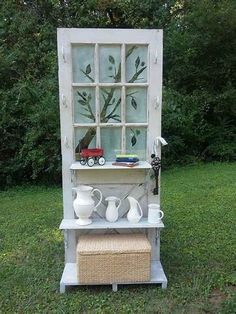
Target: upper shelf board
(122,223)
(108,165)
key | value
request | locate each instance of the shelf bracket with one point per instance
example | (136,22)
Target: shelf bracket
(157,236)
(66,239)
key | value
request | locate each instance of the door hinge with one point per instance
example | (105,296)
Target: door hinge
(63,53)
(66,142)
(156,57)
(64,103)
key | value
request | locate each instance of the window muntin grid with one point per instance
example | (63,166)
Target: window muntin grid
(124,95)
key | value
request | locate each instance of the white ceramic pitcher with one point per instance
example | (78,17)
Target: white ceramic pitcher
(135,212)
(84,205)
(112,210)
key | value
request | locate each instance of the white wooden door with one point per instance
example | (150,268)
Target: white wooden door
(110,96)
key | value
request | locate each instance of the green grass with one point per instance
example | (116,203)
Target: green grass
(198,250)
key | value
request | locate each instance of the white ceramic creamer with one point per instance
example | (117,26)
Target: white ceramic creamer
(135,212)
(112,210)
(154,213)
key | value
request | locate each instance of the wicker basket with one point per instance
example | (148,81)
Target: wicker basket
(113,258)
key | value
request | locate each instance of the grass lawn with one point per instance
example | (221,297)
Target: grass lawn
(198,250)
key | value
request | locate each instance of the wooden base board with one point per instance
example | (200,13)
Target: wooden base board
(69,277)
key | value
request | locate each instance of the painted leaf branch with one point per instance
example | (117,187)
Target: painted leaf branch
(109,99)
(135,77)
(135,134)
(84,101)
(116,73)
(138,63)
(86,140)
(87,71)
(133,101)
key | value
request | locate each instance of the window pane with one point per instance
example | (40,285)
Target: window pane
(136,104)
(136,64)
(109,64)
(84,105)
(83,63)
(84,138)
(111,142)
(110,105)
(136,141)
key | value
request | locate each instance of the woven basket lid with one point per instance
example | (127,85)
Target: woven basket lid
(113,244)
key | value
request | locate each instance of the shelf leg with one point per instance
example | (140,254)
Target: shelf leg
(114,287)
(164,285)
(62,288)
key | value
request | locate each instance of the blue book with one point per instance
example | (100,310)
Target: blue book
(127,159)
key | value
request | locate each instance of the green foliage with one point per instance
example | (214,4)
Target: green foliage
(199,100)
(198,126)
(197,250)
(199,77)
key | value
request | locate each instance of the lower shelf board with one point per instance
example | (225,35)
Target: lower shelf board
(69,277)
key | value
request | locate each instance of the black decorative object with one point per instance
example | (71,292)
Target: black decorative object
(156,165)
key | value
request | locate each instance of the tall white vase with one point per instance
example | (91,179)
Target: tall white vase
(84,205)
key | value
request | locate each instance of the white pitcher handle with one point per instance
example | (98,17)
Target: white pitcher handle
(141,212)
(100,197)
(162,214)
(118,199)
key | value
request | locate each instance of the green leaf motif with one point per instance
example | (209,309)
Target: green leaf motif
(88,69)
(137,62)
(134,103)
(116,117)
(112,60)
(82,102)
(130,51)
(89,116)
(137,132)
(133,140)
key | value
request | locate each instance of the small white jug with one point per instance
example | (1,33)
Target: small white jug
(112,210)
(154,213)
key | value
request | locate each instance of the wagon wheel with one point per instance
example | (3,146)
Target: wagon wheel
(101,161)
(90,161)
(83,161)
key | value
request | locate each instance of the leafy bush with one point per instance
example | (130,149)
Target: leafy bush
(198,126)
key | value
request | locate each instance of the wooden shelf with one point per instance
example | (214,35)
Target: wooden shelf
(69,277)
(108,165)
(99,223)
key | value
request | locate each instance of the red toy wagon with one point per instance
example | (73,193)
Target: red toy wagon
(91,156)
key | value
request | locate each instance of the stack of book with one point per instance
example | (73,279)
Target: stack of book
(126,160)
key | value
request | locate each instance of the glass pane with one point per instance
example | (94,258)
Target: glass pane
(84,138)
(111,142)
(109,64)
(110,103)
(83,63)
(84,105)
(136,104)
(136,141)
(136,64)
